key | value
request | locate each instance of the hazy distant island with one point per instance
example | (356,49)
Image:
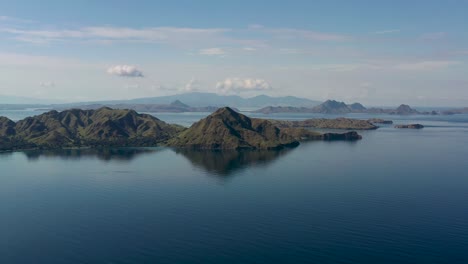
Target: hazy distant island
(456,111)
(223,129)
(335,107)
(323,123)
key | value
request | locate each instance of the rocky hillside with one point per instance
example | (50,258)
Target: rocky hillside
(72,128)
(227,129)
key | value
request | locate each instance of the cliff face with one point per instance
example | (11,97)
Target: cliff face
(76,127)
(227,129)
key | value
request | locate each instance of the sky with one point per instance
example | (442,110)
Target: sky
(373,52)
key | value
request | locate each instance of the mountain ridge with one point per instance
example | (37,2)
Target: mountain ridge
(202,99)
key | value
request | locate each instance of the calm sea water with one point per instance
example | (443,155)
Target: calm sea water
(397,196)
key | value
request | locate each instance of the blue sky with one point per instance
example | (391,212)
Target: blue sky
(375,52)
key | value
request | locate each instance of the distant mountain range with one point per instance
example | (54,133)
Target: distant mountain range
(198,99)
(335,107)
(174,107)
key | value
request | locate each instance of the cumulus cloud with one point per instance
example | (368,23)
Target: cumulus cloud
(125,71)
(212,52)
(237,85)
(192,86)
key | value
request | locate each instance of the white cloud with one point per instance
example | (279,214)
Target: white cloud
(237,85)
(388,31)
(429,65)
(212,52)
(125,71)
(249,49)
(192,86)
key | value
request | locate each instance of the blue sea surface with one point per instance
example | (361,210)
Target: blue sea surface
(396,196)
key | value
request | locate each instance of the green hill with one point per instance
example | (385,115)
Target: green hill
(227,129)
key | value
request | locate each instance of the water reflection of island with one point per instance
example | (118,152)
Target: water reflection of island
(104,154)
(225,163)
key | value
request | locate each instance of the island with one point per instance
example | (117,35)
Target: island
(106,127)
(336,107)
(411,126)
(380,121)
(456,111)
(323,123)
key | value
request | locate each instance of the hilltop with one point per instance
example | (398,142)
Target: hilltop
(227,129)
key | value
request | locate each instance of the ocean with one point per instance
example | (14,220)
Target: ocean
(396,196)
